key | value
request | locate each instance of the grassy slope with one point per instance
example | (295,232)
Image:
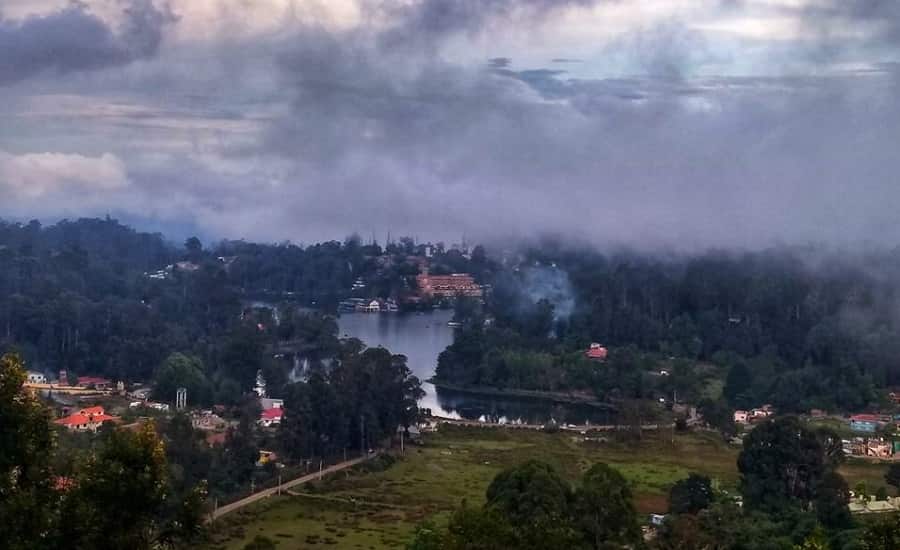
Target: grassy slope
(380,509)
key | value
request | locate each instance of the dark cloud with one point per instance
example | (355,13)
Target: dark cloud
(76,40)
(376,127)
(413,142)
(426,23)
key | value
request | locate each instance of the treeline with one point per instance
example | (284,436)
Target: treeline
(93,296)
(802,327)
(792,497)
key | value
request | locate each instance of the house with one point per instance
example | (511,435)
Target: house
(878,448)
(270,417)
(36,378)
(269,403)
(373,306)
(265,457)
(94,382)
(740,417)
(867,423)
(596,352)
(761,413)
(207,420)
(657,520)
(89,419)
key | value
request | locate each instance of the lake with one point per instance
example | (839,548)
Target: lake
(421,338)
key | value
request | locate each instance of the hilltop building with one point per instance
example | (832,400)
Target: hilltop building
(596,352)
(448,286)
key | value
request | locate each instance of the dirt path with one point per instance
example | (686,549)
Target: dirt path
(255,497)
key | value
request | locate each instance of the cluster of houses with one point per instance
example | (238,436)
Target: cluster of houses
(367,305)
(874,447)
(753,415)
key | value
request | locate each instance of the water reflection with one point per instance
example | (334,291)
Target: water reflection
(422,337)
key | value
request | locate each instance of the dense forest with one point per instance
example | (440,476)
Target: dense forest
(93,296)
(799,327)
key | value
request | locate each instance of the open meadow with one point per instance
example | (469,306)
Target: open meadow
(378,506)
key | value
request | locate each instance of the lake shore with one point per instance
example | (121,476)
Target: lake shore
(555,397)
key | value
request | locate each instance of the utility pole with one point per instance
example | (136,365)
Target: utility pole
(401,441)
(362,437)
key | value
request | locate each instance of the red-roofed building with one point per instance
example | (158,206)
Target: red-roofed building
(270,417)
(448,286)
(867,418)
(86,420)
(596,351)
(62,483)
(94,382)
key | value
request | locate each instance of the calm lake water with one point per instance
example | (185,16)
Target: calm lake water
(421,337)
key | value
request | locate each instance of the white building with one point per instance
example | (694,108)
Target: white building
(36,378)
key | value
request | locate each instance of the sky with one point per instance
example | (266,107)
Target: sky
(684,124)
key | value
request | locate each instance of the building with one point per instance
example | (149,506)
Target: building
(373,306)
(866,423)
(596,352)
(271,417)
(36,378)
(741,417)
(448,286)
(94,382)
(86,420)
(208,420)
(265,457)
(269,403)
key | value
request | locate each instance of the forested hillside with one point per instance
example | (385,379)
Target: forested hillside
(802,327)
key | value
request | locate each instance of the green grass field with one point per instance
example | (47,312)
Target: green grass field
(374,510)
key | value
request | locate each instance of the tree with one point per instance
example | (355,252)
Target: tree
(892,476)
(531,493)
(27,498)
(482,529)
(537,502)
(718,415)
(781,465)
(690,495)
(426,537)
(182,371)
(815,541)
(120,493)
(194,248)
(832,497)
(738,383)
(883,533)
(604,511)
